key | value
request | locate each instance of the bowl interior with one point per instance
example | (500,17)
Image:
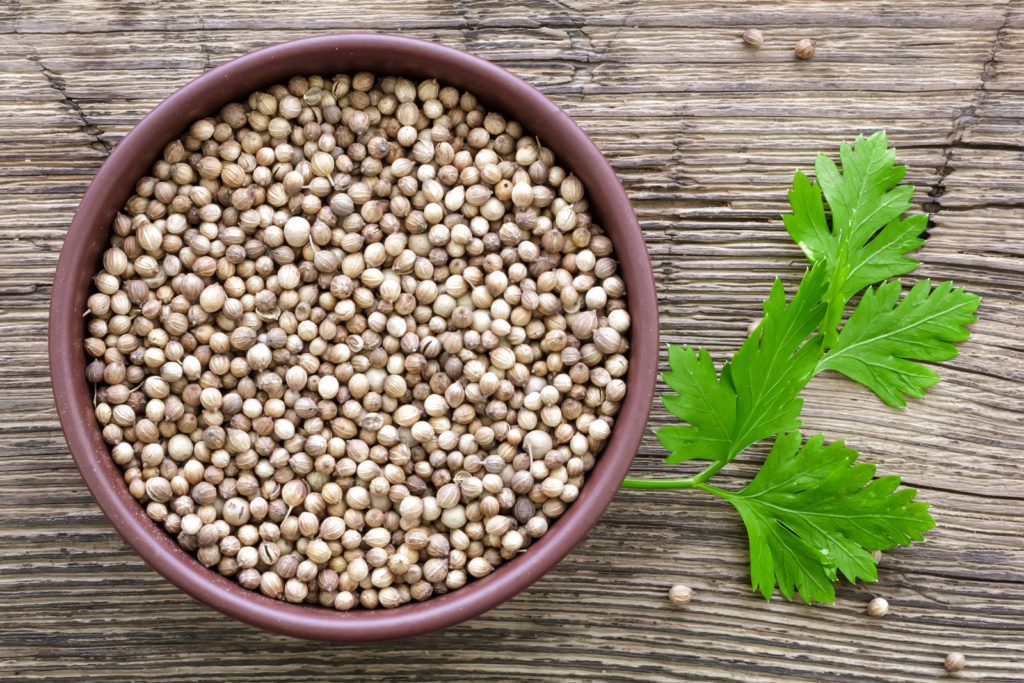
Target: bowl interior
(88,237)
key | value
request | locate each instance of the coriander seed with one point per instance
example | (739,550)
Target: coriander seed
(680,594)
(955,662)
(878,607)
(753,37)
(805,48)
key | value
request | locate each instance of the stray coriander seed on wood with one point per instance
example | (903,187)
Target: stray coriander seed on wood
(955,662)
(805,48)
(357,341)
(878,607)
(680,594)
(753,37)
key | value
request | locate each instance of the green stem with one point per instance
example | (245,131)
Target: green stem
(710,471)
(696,481)
(835,301)
(631,483)
(714,490)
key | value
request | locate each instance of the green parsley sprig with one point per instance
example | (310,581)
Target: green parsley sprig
(811,512)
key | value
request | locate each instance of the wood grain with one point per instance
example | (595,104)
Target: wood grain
(705,134)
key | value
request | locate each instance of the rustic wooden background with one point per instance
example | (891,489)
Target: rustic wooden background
(705,134)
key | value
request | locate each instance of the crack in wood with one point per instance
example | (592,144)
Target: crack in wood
(204,49)
(465,22)
(59,85)
(967,115)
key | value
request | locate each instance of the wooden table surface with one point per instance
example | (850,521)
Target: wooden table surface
(705,134)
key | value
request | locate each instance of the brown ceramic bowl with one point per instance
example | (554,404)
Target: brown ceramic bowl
(88,235)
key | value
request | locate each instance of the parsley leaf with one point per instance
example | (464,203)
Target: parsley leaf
(811,512)
(756,394)
(868,239)
(884,336)
(707,404)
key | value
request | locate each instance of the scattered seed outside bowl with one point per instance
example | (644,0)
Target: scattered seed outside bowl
(87,237)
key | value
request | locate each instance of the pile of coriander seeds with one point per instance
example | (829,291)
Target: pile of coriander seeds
(356,340)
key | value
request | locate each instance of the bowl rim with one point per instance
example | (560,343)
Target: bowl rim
(89,231)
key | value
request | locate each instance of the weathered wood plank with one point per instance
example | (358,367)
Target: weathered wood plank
(705,134)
